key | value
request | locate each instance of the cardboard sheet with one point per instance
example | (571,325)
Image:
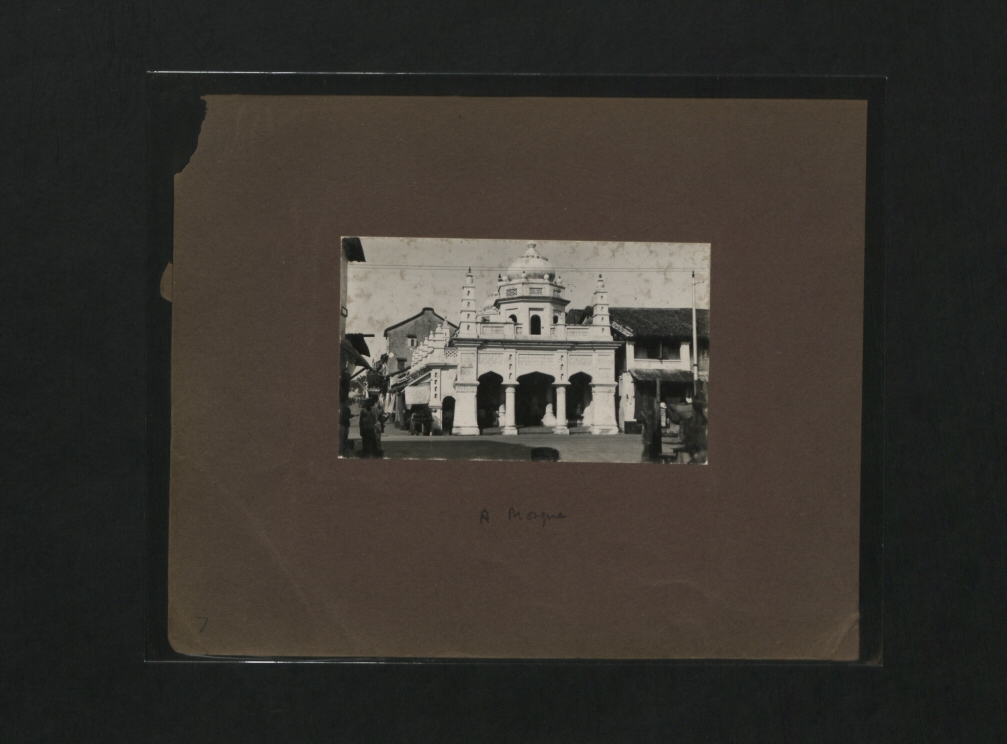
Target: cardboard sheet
(277,547)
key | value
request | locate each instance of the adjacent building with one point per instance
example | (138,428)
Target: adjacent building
(403,338)
(352,347)
(656,358)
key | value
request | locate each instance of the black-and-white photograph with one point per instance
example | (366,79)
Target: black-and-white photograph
(525,350)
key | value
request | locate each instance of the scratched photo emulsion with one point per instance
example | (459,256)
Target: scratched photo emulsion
(524,350)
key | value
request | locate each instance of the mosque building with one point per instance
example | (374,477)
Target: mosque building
(515,362)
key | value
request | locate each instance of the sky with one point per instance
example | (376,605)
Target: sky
(401,276)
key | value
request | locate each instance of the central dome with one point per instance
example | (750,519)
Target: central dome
(532,264)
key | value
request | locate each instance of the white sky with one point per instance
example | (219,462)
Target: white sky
(403,275)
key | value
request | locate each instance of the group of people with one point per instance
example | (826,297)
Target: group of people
(692,423)
(372,425)
(419,420)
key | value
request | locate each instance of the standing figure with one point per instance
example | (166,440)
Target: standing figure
(367,429)
(695,433)
(345,416)
(651,429)
(379,425)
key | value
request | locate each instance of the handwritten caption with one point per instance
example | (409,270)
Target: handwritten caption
(526,516)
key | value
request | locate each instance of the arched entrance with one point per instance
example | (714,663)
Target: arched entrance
(489,398)
(448,414)
(578,400)
(534,393)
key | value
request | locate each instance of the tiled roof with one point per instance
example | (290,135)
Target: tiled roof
(346,349)
(420,314)
(358,343)
(661,322)
(665,375)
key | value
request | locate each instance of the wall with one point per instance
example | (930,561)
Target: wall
(398,338)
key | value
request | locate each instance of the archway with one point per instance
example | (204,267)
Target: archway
(448,414)
(578,400)
(489,398)
(535,325)
(533,394)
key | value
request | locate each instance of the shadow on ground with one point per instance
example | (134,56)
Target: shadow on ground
(437,448)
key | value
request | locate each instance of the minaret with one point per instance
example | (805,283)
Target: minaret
(468,328)
(599,317)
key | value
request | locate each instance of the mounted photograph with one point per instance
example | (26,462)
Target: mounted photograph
(413,344)
(524,350)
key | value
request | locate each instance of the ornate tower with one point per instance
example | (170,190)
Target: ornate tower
(467,327)
(600,317)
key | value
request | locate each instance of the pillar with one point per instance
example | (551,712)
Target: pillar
(627,405)
(466,422)
(561,424)
(603,409)
(510,427)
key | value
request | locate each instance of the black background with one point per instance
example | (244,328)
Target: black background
(73,190)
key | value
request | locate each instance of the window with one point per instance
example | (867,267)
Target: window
(411,340)
(641,350)
(513,319)
(660,349)
(555,320)
(535,326)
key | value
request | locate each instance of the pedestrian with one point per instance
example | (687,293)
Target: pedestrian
(367,429)
(650,429)
(695,433)
(379,425)
(345,416)
(423,420)
(449,420)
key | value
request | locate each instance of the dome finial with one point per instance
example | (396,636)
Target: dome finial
(530,265)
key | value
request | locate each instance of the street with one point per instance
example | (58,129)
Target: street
(573,448)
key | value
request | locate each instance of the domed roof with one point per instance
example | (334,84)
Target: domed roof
(532,264)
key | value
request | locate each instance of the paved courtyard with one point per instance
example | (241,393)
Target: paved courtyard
(573,448)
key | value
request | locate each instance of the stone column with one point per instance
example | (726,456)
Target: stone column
(510,428)
(603,408)
(627,411)
(466,422)
(561,424)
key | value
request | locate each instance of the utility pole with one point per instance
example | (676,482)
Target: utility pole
(656,443)
(695,344)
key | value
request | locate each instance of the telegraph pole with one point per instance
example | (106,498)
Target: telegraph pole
(656,441)
(695,344)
